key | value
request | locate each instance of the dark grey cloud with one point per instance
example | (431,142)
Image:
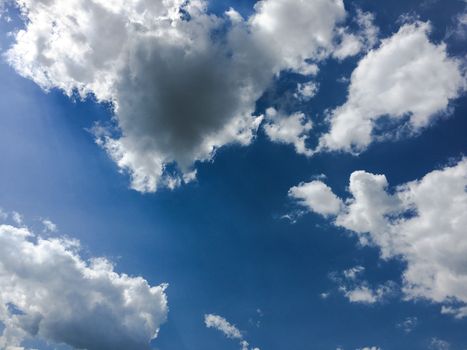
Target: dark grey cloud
(183,82)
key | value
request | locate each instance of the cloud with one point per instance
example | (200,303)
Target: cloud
(439,344)
(306,91)
(408,325)
(47,291)
(357,290)
(421,222)
(297,30)
(364,294)
(3,215)
(229,330)
(459,29)
(17,218)
(406,77)
(221,324)
(353,272)
(182,82)
(370,348)
(49,226)
(288,129)
(317,197)
(457,311)
(364,39)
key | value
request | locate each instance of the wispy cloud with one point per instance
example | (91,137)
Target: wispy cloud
(228,329)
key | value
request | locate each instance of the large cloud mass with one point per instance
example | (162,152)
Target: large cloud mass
(183,82)
(48,291)
(423,222)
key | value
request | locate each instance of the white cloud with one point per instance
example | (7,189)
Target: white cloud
(361,294)
(317,197)
(364,39)
(17,218)
(3,215)
(221,324)
(179,92)
(408,325)
(439,344)
(306,91)
(228,329)
(422,222)
(357,290)
(350,45)
(47,291)
(407,76)
(370,348)
(297,30)
(366,211)
(457,311)
(364,294)
(288,129)
(368,30)
(49,226)
(459,30)
(353,272)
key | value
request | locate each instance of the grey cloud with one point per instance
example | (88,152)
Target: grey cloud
(183,82)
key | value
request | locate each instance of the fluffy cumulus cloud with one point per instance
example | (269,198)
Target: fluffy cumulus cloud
(283,24)
(406,77)
(288,129)
(228,329)
(182,82)
(316,196)
(357,290)
(47,291)
(306,91)
(422,222)
(364,39)
(365,294)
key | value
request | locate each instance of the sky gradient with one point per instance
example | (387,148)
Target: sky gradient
(248,263)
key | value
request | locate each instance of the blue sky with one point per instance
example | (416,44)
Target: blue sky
(234,242)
